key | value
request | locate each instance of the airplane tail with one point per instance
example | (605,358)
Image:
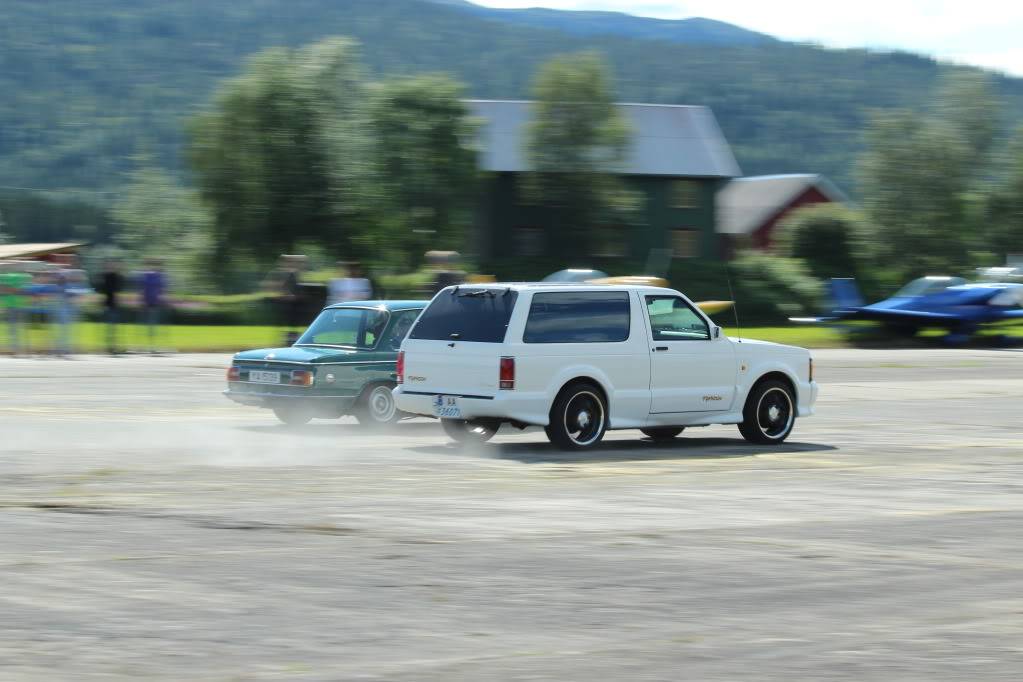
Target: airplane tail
(844,294)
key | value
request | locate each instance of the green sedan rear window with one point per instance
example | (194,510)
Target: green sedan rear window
(350,327)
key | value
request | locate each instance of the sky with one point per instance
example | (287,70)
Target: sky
(986,33)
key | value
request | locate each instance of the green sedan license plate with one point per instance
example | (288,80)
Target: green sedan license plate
(264,377)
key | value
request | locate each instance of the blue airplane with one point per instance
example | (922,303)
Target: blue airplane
(953,303)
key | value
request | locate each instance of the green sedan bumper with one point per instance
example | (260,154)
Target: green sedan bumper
(329,406)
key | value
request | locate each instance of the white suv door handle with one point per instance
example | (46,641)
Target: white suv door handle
(660,348)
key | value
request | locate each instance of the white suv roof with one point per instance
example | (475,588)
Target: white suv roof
(561,286)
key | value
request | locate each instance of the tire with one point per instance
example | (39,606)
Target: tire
(476,431)
(902,331)
(578,417)
(292,415)
(376,406)
(662,434)
(769,413)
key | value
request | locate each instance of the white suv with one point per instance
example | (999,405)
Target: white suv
(581,359)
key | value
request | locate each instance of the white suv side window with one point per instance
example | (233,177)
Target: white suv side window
(672,319)
(578,317)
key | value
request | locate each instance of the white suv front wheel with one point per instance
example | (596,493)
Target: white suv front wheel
(578,418)
(769,414)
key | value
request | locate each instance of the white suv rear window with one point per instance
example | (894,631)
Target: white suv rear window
(466,314)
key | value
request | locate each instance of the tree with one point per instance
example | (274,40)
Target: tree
(425,165)
(832,239)
(575,145)
(914,178)
(1005,209)
(921,176)
(967,104)
(158,217)
(279,157)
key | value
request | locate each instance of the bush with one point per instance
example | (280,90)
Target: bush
(767,289)
(245,310)
(834,240)
(770,289)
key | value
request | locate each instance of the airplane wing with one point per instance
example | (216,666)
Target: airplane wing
(980,315)
(645,280)
(813,320)
(1012,315)
(880,315)
(892,315)
(713,307)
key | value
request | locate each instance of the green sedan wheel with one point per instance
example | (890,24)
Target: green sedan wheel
(292,416)
(376,407)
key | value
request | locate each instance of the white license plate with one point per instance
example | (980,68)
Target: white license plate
(264,377)
(446,407)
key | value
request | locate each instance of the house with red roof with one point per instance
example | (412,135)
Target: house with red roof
(749,209)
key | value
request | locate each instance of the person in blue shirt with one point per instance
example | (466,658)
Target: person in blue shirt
(153,289)
(72,283)
(42,295)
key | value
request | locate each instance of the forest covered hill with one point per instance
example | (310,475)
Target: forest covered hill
(87,89)
(694,31)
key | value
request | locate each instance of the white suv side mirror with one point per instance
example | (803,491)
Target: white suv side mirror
(715,332)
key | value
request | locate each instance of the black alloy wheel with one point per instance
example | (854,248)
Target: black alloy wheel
(769,413)
(578,417)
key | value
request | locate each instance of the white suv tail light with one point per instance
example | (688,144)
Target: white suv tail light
(507,375)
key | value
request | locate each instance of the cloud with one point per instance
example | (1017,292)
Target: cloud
(981,32)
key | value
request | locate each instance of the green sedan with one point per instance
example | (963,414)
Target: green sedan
(343,364)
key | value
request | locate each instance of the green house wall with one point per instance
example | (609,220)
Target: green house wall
(502,211)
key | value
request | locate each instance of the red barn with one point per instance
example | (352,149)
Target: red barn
(748,209)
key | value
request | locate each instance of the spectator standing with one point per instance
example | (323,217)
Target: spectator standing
(288,294)
(72,284)
(335,286)
(110,286)
(13,283)
(444,267)
(43,296)
(355,286)
(153,283)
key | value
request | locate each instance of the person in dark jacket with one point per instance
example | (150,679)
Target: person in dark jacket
(285,284)
(110,286)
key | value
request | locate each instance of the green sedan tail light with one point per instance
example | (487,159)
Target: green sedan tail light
(301,377)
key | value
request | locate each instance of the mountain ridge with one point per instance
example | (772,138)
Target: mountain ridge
(692,30)
(89,89)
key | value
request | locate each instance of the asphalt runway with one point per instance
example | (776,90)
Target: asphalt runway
(149,528)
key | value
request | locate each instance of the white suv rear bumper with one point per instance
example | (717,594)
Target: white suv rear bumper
(528,408)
